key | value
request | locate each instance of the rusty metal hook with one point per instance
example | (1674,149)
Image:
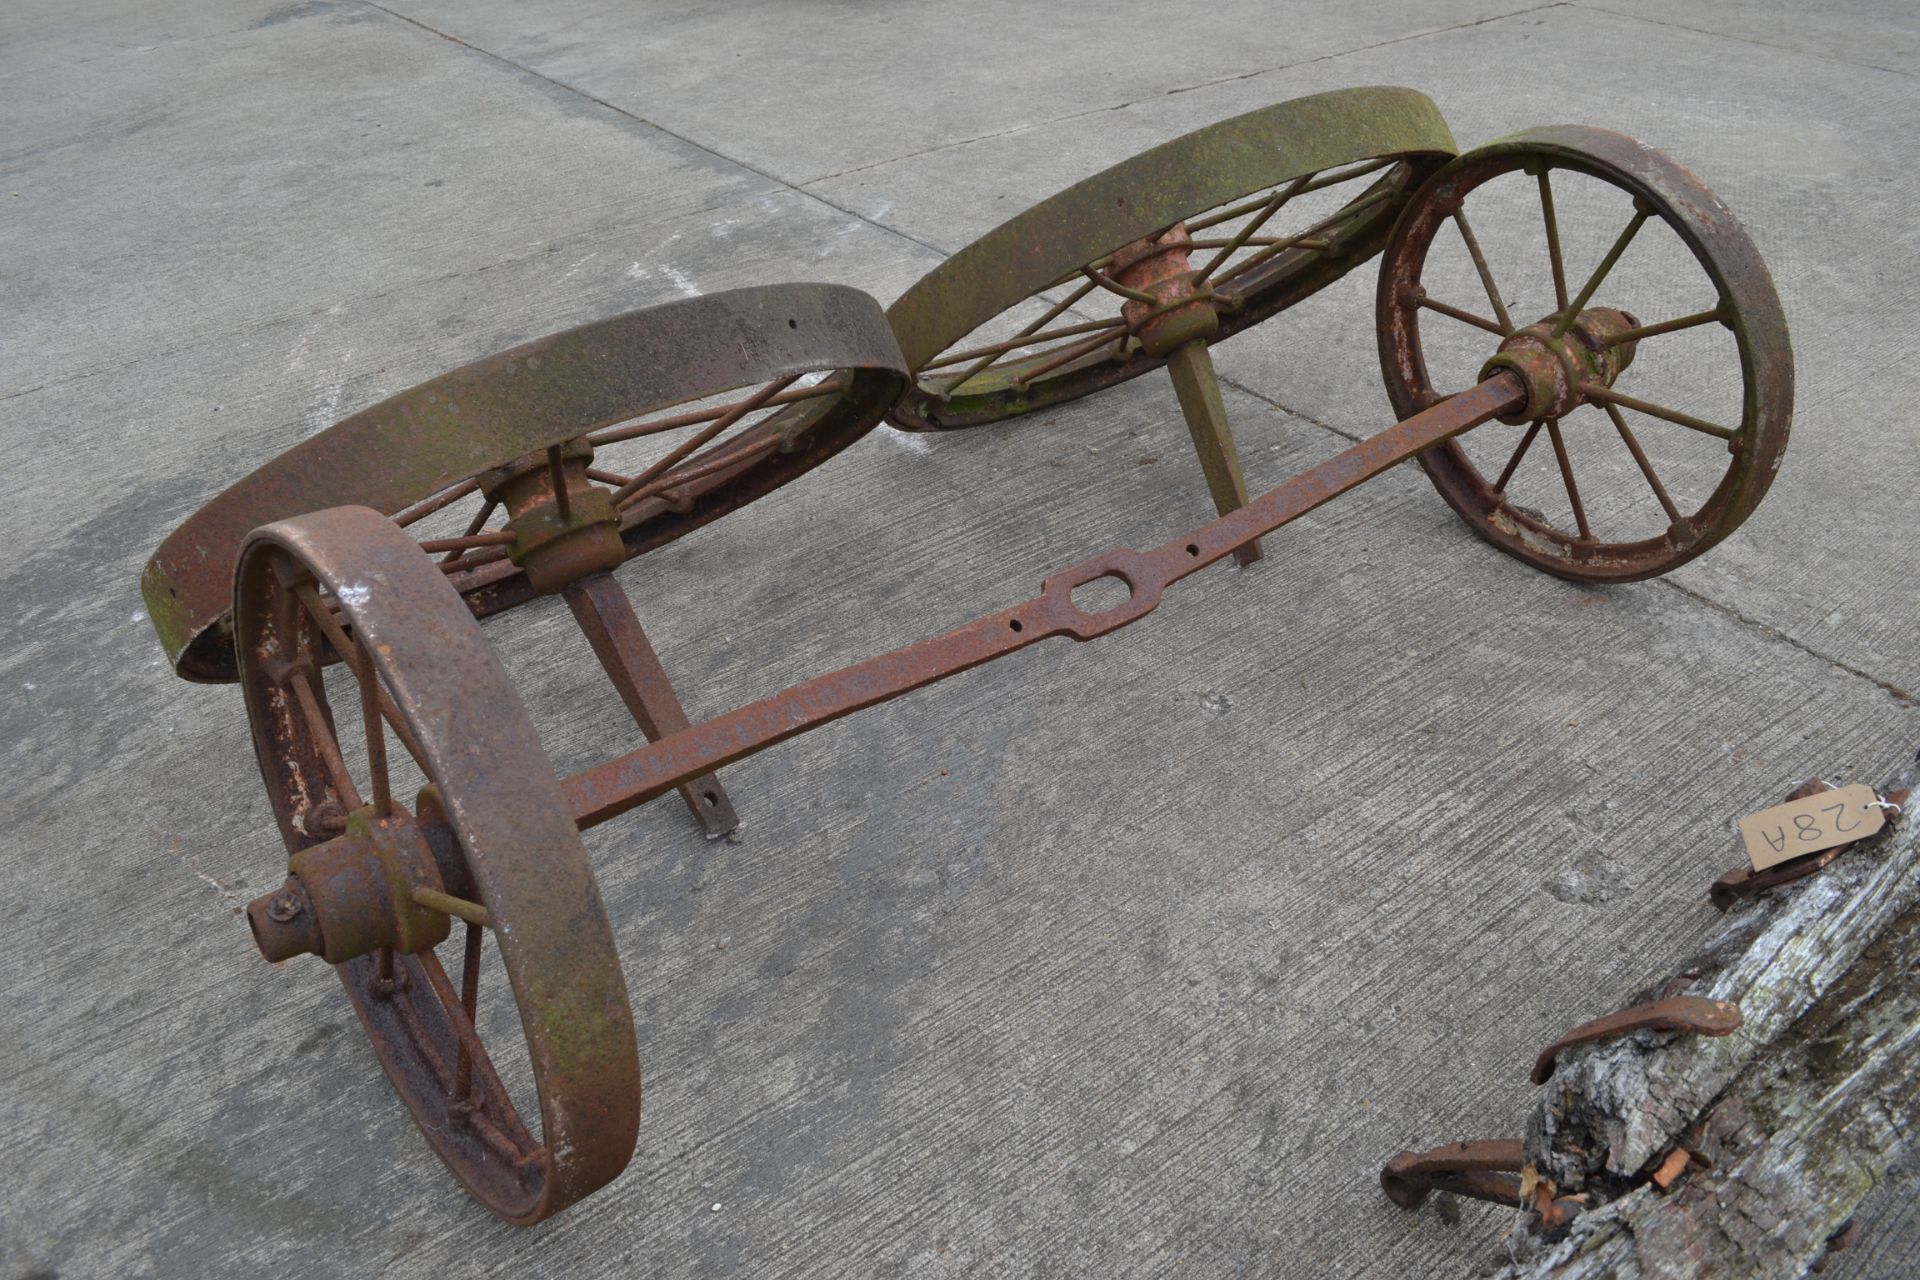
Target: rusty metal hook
(1694,1014)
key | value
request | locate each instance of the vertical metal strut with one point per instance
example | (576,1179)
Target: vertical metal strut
(1191,368)
(606,616)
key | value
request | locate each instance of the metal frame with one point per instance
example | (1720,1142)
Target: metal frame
(320,574)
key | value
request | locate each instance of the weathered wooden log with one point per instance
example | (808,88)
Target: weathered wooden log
(1745,1155)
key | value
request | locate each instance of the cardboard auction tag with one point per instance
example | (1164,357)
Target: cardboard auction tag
(1808,825)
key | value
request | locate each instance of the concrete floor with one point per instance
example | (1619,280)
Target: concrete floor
(1127,959)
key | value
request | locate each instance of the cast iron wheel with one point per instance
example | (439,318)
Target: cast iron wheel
(1711,293)
(491,835)
(821,361)
(1277,203)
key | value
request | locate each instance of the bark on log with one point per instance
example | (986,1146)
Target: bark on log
(1796,1116)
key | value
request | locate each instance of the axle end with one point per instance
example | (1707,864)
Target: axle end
(283,923)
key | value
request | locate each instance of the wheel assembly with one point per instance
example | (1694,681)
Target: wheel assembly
(377,879)
(415,802)
(1150,262)
(1574,354)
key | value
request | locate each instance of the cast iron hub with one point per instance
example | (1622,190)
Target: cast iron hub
(1555,362)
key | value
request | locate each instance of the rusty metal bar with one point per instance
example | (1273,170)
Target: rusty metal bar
(612,788)
(1194,382)
(620,643)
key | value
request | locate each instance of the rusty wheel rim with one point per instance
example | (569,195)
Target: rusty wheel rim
(499,829)
(813,368)
(1281,203)
(1745,305)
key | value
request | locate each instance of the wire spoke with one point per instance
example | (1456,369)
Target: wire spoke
(1566,476)
(616,434)
(476,524)
(469,1005)
(468,542)
(1465,317)
(439,502)
(1486,273)
(1606,395)
(1015,343)
(1553,241)
(1307,238)
(700,470)
(309,596)
(1646,465)
(324,741)
(370,719)
(985,356)
(473,559)
(1259,220)
(758,399)
(1513,463)
(1072,353)
(1314,184)
(1668,326)
(1572,312)
(557,478)
(1114,286)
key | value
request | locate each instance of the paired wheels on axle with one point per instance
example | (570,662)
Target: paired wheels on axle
(421,812)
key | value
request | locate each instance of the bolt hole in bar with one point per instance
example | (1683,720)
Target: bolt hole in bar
(609,789)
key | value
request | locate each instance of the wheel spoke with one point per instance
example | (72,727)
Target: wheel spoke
(995,350)
(1259,220)
(1646,466)
(370,719)
(1553,241)
(1572,312)
(473,559)
(1486,273)
(447,904)
(1465,317)
(616,434)
(475,525)
(467,542)
(1323,180)
(1606,395)
(470,1006)
(613,478)
(557,477)
(988,354)
(1114,286)
(741,409)
(1306,239)
(1668,326)
(439,502)
(1566,476)
(329,626)
(320,725)
(700,470)
(1072,353)
(1513,463)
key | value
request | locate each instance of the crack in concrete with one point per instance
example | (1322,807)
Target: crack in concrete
(1728,35)
(651,124)
(1899,694)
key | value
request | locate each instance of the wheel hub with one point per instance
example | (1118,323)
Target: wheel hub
(564,525)
(1554,362)
(353,894)
(1179,313)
